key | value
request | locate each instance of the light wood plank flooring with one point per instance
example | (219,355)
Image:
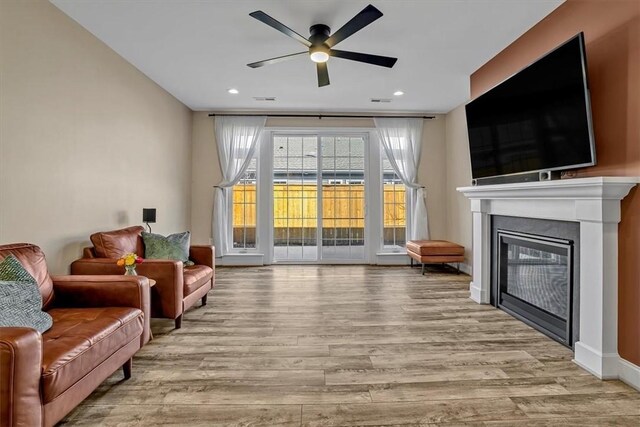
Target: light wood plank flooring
(352,345)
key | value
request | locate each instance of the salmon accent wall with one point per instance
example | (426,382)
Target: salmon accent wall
(612,38)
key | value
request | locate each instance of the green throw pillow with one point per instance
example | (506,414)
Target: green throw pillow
(11,270)
(174,246)
(20,299)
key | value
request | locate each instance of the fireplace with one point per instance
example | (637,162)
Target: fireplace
(534,281)
(593,205)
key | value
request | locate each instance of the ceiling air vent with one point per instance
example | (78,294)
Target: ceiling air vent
(264,98)
(379,100)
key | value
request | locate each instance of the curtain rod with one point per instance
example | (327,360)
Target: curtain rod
(324,116)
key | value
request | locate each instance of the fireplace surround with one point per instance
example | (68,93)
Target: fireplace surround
(593,203)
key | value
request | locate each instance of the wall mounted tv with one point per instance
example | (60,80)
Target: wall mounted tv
(537,120)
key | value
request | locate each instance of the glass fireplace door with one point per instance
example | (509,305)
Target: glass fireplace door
(535,281)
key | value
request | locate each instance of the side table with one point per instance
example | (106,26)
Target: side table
(152,283)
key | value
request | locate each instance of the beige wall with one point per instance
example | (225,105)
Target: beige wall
(431,174)
(206,172)
(86,140)
(458,174)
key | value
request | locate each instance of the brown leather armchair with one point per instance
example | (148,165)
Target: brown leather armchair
(177,288)
(99,323)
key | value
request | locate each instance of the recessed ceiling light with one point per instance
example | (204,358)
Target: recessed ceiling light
(233,91)
(398,93)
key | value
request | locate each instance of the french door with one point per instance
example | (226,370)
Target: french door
(319,198)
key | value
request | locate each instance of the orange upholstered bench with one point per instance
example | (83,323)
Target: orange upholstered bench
(435,252)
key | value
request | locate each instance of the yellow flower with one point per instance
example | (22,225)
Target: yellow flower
(128,259)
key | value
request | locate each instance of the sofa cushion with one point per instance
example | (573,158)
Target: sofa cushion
(114,244)
(174,246)
(434,247)
(33,261)
(21,306)
(195,276)
(435,259)
(81,339)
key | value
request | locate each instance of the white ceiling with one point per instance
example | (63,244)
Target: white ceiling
(198,49)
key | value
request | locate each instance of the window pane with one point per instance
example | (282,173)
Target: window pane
(244,209)
(393,206)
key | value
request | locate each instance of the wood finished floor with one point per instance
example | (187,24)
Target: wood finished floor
(352,345)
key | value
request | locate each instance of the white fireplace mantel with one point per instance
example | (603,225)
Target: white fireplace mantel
(595,204)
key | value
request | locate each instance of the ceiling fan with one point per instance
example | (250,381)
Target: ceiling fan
(321,42)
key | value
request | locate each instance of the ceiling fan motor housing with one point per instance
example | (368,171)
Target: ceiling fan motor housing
(319,33)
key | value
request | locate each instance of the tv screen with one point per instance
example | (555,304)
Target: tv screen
(538,119)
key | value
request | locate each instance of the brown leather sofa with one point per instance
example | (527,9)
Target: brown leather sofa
(177,288)
(99,323)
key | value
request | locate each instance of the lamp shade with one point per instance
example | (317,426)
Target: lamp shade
(149,215)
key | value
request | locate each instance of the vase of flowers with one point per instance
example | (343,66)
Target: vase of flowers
(129,261)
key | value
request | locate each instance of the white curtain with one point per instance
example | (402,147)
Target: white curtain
(401,139)
(237,137)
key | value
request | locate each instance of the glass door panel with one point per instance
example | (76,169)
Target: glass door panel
(343,203)
(295,176)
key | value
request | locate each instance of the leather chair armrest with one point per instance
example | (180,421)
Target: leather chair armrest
(203,255)
(90,266)
(88,252)
(105,291)
(168,275)
(20,368)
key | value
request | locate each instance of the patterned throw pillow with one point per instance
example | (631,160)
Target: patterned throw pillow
(11,270)
(174,246)
(17,308)
(20,299)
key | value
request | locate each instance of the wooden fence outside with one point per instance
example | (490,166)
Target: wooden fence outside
(295,206)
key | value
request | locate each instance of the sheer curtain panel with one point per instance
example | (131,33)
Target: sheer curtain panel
(237,138)
(401,139)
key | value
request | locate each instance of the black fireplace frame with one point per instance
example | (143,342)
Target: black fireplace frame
(548,323)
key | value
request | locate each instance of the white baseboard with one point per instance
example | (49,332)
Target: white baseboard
(629,373)
(399,258)
(241,260)
(606,366)
(465,268)
(602,365)
(478,295)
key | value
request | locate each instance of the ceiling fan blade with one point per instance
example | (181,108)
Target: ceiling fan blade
(263,17)
(274,60)
(323,74)
(383,61)
(358,22)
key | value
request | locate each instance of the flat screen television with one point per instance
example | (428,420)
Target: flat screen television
(537,120)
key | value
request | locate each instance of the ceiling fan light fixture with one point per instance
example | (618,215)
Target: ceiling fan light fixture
(322,41)
(319,54)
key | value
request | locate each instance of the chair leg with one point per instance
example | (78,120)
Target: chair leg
(423,268)
(204,299)
(411,262)
(179,322)
(126,368)
(457,268)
